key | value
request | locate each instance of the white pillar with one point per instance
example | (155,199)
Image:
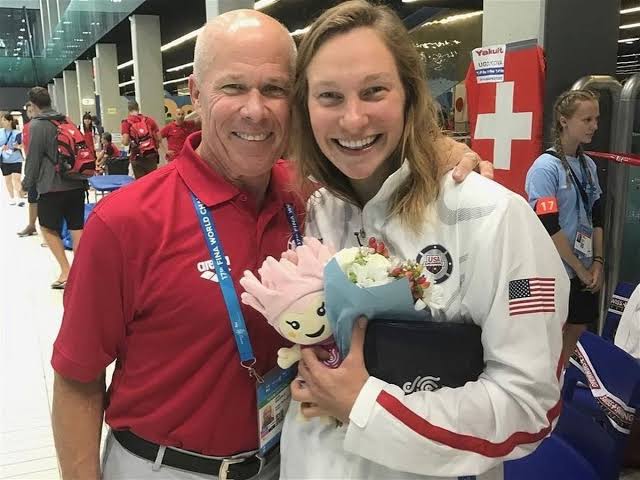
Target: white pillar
(218,7)
(147,65)
(72,103)
(44,21)
(52,93)
(106,64)
(86,88)
(58,100)
(54,18)
(507,21)
(62,7)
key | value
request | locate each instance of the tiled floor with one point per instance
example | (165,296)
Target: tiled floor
(30,315)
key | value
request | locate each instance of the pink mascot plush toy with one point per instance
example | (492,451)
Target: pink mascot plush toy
(290,295)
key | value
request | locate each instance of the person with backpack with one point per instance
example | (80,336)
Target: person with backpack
(11,157)
(563,188)
(57,176)
(142,135)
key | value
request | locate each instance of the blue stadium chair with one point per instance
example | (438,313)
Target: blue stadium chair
(65,234)
(613,377)
(582,395)
(554,459)
(616,307)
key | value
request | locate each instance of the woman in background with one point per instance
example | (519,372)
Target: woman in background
(562,185)
(89,131)
(11,162)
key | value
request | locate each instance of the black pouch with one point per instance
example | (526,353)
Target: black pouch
(417,355)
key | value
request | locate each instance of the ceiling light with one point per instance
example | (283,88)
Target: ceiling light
(125,64)
(177,80)
(23,29)
(630,10)
(453,18)
(124,84)
(181,40)
(66,22)
(630,61)
(260,4)
(630,55)
(629,25)
(628,40)
(180,67)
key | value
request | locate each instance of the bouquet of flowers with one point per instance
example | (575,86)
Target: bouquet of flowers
(312,296)
(367,281)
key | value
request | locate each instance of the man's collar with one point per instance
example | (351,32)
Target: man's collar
(209,186)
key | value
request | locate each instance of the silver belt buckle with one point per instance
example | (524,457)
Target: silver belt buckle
(226,463)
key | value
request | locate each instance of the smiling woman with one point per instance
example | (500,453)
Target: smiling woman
(364,127)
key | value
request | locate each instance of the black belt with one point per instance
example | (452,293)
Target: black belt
(224,469)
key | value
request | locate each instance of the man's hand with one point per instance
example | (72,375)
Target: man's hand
(459,157)
(471,161)
(332,391)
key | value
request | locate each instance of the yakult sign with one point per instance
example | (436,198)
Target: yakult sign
(489,63)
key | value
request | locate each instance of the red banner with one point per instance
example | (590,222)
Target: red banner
(506,117)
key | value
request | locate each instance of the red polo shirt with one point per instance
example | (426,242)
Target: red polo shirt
(176,136)
(25,136)
(141,292)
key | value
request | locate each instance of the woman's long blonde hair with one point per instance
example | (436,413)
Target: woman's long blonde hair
(566,106)
(421,129)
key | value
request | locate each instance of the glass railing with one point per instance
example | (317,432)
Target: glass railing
(82,24)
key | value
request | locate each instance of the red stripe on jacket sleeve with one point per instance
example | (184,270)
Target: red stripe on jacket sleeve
(457,440)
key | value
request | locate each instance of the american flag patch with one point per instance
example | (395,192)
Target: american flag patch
(532,295)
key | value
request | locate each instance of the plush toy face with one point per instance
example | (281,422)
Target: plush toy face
(305,322)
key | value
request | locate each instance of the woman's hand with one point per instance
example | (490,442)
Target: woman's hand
(596,271)
(332,391)
(585,276)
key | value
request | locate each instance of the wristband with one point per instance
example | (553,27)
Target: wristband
(600,260)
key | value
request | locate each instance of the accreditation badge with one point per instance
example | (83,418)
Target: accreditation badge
(273,396)
(584,241)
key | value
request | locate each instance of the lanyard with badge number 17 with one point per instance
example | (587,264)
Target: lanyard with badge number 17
(273,392)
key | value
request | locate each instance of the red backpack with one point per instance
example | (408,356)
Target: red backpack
(76,160)
(144,143)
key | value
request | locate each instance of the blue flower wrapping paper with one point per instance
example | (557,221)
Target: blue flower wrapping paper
(345,302)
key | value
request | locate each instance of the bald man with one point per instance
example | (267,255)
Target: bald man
(154,287)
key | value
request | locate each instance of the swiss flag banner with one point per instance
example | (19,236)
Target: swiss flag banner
(505,116)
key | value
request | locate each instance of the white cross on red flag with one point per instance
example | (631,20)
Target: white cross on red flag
(506,117)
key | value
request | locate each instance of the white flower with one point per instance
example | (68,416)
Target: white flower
(373,273)
(432,297)
(364,268)
(346,256)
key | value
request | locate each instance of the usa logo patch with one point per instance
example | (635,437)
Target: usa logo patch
(437,261)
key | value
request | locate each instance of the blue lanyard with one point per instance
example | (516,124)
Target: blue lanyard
(581,186)
(238,326)
(293,223)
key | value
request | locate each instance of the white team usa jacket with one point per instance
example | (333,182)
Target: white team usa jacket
(496,266)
